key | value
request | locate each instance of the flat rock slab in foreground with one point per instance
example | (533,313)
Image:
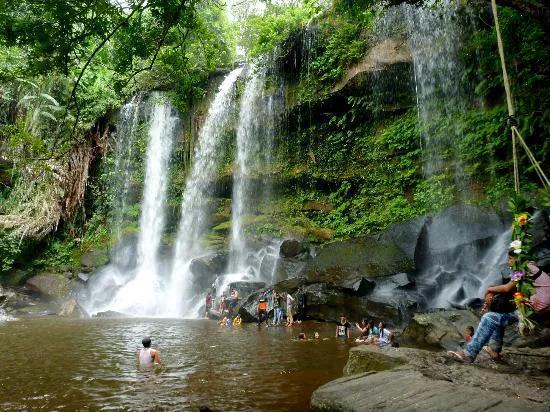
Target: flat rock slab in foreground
(408,379)
(410,391)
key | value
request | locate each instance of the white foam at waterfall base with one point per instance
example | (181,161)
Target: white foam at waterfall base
(179,296)
(137,291)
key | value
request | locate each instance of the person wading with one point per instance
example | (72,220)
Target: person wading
(148,356)
(342,328)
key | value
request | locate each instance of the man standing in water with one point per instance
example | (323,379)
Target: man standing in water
(289,309)
(342,328)
(148,356)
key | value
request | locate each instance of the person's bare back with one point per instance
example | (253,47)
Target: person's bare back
(148,356)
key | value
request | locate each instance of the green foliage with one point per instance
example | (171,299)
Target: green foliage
(267,32)
(59,256)
(10,247)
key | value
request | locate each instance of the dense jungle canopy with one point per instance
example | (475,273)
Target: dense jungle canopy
(356,162)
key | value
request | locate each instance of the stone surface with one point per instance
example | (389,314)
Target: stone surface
(291,248)
(439,328)
(410,391)
(94,259)
(387,52)
(206,268)
(71,308)
(366,257)
(462,225)
(110,314)
(49,285)
(416,379)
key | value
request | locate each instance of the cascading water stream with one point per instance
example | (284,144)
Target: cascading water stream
(435,42)
(195,209)
(137,291)
(124,158)
(456,274)
(247,168)
(251,179)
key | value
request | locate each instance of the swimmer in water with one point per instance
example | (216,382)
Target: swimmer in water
(148,356)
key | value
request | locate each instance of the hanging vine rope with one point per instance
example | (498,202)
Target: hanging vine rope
(512,114)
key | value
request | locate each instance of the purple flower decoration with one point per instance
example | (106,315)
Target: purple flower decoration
(517,275)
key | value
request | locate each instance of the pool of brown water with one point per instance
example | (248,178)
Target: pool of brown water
(90,364)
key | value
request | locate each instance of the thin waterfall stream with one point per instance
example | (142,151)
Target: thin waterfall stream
(195,212)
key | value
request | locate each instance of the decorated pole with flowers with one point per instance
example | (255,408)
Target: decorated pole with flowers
(520,245)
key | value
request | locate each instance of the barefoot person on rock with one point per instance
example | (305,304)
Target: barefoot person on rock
(500,311)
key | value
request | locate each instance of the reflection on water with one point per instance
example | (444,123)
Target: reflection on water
(91,364)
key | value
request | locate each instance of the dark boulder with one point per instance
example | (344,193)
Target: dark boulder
(206,268)
(246,288)
(291,248)
(350,260)
(288,268)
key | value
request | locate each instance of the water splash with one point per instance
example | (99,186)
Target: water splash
(195,209)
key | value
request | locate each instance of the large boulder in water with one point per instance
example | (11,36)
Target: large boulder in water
(206,268)
(49,285)
(71,308)
(439,328)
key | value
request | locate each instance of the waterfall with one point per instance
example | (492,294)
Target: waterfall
(251,182)
(455,274)
(137,291)
(246,168)
(195,203)
(435,40)
(127,124)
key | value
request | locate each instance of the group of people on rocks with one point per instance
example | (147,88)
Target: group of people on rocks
(274,300)
(226,305)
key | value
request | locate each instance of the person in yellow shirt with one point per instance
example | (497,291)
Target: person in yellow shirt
(237,321)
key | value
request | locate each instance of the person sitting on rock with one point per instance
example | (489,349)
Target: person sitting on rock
(342,328)
(237,321)
(366,329)
(148,356)
(500,312)
(385,337)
